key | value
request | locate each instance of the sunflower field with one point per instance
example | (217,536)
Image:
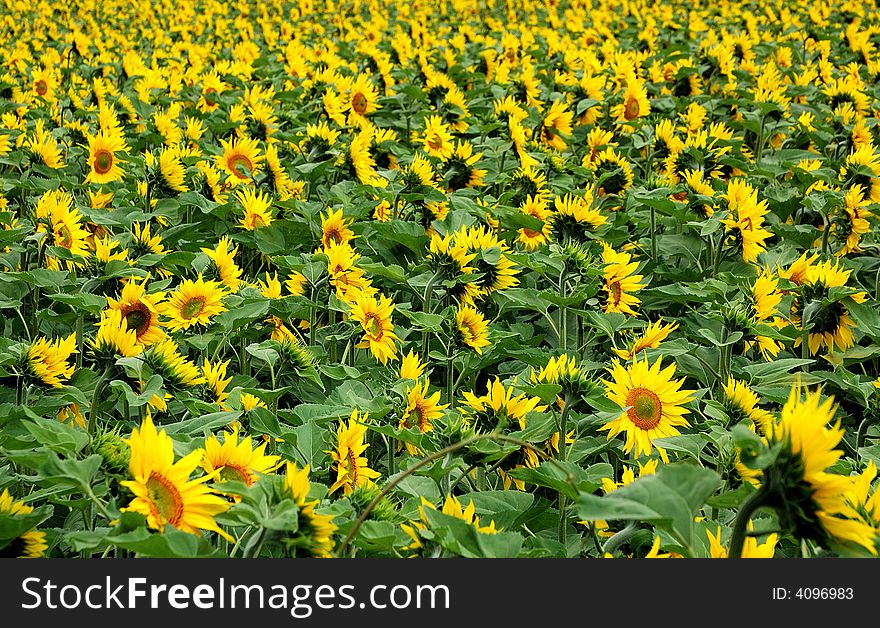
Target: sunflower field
(495,278)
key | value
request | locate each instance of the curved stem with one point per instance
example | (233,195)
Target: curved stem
(619,538)
(740,525)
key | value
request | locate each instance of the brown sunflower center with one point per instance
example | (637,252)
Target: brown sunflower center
(615,292)
(103,161)
(166,502)
(645,408)
(193,307)
(63,237)
(435,142)
(240,165)
(373,325)
(359,103)
(41,87)
(416,416)
(236,473)
(209,96)
(632,108)
(333,234)
(137,317)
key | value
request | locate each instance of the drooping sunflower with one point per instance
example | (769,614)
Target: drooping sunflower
(193,303)
(574,216)
(167,173)
(236,459)
(473,328)
(449,258)
(315,531)
(496,275)
(654,334)
(830,326)
(102,158)
(499,407)
(620,281)
(556,126)
(240,161)
(852,223)
(374,316)
(653,404)
(223,263)
(459,171)
(164,492)
(257,209)
(45,147)
(352,468)
(165,359)
(47,361)
(140,311)
(533,238)
(114,339)
(809,500)
(612,171)
(741,403)
(57,216)
(216,381)
(751,548)
(745,225)
(28,544)
(421,410)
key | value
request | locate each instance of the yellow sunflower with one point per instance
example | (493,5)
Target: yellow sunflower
(653,404)
(29,544)
(240,161)
(315,530)
(352,468)
(334,229)
(140,311)
(421,410)
(620,281)
(193,303)
(163,490)
(436,139)
(374,316)
(223,260)
(236,460)
(47,361)
(257,209)
(473,329)
(102,160)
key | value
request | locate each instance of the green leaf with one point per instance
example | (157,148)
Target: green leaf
(691,444)
(13,526)
(203,424)
(60,438)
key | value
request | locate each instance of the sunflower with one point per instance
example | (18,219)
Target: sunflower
(163,490)
(47,361)
(612,172)
(495,275)
(556,125)
(167,172)
(223,263)
(853,223)
(144,242)
(620,281)
(654,334)
(809,500)
(277,177)
(436,139)
(257,209)
(360,159)
(420,531)
(745,231)
(240,161)
(45,147)
(421,410)
(28,544)
(114,339)
(348,280)
(315,531)
(862,167)
(216,381)
(352,469)
(236,460)
(830,325)
(499,407)
(334,229)
(574,216)
(362,100)
(449,258)
(374,316)
(459,171)
(635,103)
(56,215)
(411,367)
(531,239)
(165,359)
(140,311)
(102,158)
(473,329)
(193,303)
(751,547)
(741,403)
(652,403)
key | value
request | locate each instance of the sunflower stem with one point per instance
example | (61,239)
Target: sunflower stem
(826,231)
(79,340)
(860,433)
(719,252)
(619,538)
(450,376)
(740,525)
(93,407)
(653,235)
